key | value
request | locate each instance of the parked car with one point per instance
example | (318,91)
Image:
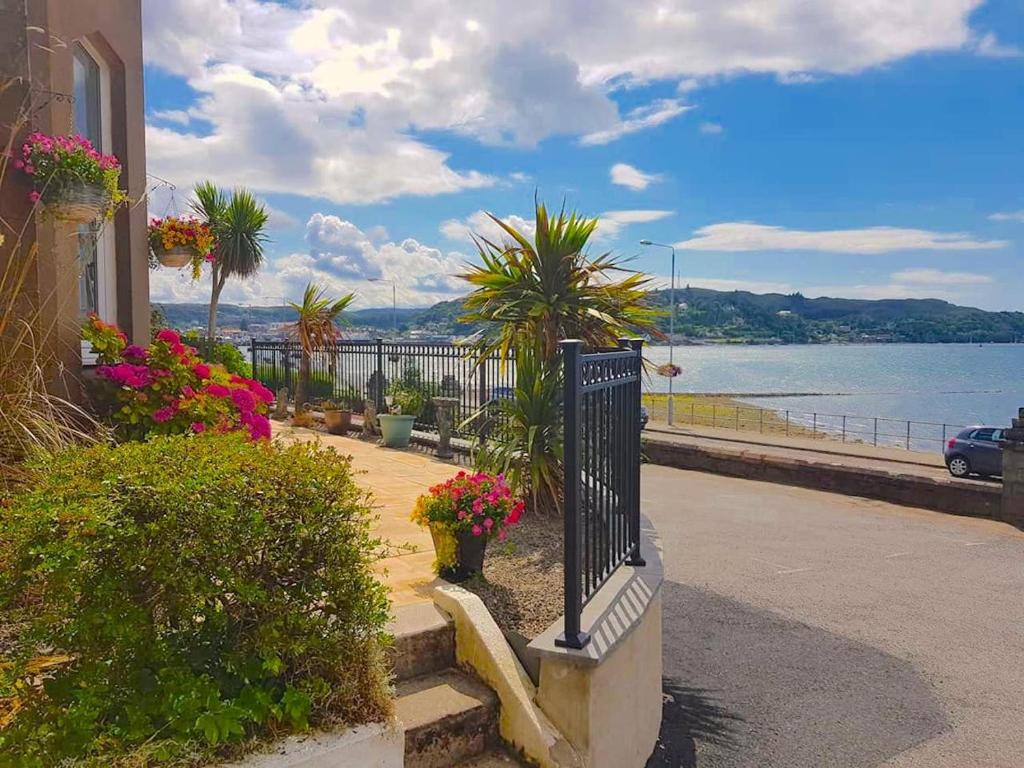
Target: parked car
(975,450)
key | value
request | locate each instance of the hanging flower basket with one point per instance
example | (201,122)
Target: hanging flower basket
(75,182)
(669,370)
(77,203)
(176,257)
(178,242)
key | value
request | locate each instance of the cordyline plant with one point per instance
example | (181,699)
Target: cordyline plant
(168,389)
(531,293)
(316,327)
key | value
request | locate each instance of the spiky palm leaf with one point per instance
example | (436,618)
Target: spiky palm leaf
(316,327)
(238,221)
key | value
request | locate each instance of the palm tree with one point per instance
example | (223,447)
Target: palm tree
(315,328)
(542,291)
(531,294)
(237,221)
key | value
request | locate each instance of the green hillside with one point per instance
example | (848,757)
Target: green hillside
(707,315)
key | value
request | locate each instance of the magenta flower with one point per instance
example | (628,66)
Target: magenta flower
(489,523)
(34,196)
(165,414)
(218,390)
(135,351)
(171,337)
(202,370)
(198,427)
(244,399)
(477,530)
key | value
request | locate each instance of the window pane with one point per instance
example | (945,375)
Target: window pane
(88,120)
(88,271)
(984,434)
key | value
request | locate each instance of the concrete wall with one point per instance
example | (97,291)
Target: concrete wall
(611,711)
(606,698)
(956,497)
(377,745)
(43,62)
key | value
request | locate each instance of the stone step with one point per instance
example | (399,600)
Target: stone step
(424,641)
(493,758)
(448,716)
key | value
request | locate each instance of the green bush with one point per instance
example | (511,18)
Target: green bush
(197,610)
(222,352)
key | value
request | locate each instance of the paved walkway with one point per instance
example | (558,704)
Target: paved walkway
(895,460)
(396,479)
(805,629)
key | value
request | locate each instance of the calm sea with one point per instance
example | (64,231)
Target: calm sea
(951,383)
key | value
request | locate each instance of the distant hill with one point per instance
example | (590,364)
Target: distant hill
(707,315)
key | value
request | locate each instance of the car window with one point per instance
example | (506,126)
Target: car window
(986,434)
(997,434)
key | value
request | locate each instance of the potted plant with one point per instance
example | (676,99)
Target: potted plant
(77,183)
(337,420)
(405,404)
(463,514)
(178,241)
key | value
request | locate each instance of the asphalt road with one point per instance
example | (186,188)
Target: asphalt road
(804,629)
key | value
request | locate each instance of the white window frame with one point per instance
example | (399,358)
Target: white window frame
(106,266)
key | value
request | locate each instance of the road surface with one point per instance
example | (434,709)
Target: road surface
(805,629)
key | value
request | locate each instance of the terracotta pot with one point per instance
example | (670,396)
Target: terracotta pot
(469,553)
(78,203)
(338,422)
(176,257)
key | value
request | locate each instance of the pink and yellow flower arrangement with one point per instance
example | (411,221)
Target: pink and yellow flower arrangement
(191,234)
(168,389)
(478,505)
(57,164)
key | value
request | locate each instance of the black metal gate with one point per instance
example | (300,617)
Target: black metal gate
(602,472)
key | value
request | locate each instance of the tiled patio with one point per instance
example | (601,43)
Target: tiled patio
(396,479)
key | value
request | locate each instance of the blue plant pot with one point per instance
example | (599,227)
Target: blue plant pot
(396,430)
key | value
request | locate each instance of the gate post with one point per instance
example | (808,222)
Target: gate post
(378,395)
(572,636)
(633,456)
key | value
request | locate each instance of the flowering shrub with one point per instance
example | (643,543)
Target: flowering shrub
(177,232)
(57,163)
(185,599)
(481,504)
(167,388)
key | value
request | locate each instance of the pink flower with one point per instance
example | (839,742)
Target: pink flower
(218,390)
(502,534)
(478,507)
(477,530)
(202,370)
(259,427)
(165,414)
(244,399)
(489,523)
(516,513)
(198,427)
(34,196)
(168,335)
(135,351)
(462,514)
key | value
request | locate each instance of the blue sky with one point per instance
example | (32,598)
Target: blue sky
(840,147)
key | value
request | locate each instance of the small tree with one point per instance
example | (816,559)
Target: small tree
(237,221)
(531,294)
(315,328)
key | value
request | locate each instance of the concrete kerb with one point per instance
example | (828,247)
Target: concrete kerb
(375,745)
(480,644)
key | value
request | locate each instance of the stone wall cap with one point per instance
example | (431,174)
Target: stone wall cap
(615,611)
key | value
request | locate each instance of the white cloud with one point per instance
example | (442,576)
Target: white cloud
(988,45)
(343,259)
(179,116)
(639,119)
(337,98)
(1015,216)
(626,175)
(748,236)
(925,276)
(611,223)
(711,129)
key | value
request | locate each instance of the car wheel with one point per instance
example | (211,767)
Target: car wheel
(959,466)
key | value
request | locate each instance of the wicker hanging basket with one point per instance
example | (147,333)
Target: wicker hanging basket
(176,257)
(78,203)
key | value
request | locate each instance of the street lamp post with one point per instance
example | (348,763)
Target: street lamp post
(671,322)
(394,300)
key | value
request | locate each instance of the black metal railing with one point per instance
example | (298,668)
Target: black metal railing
(353,371)
(602,472)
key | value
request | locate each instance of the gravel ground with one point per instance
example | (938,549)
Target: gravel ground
(522,579)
